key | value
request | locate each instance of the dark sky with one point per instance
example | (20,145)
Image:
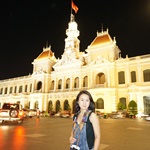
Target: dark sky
(27,25)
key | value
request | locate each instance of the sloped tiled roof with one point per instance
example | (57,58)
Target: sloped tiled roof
(45,54)
(104,38)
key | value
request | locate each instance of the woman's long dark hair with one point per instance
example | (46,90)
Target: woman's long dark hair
(91,106)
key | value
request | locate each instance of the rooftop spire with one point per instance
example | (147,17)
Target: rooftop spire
(72,18)
(102,27)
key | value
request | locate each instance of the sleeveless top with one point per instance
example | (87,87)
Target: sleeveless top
(84,132)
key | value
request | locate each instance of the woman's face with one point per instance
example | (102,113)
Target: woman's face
(84,102)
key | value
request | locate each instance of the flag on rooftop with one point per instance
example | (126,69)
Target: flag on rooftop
(74,7)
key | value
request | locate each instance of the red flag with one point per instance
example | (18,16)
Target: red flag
(74,7)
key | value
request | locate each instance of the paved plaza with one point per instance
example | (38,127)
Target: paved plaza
(53,134)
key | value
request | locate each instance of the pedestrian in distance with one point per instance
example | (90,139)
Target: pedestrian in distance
(85,134)
(38,113)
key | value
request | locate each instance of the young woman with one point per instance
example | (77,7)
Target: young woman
(85,133)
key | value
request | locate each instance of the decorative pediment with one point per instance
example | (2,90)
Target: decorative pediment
(99,60)
(68,63)
(40,71)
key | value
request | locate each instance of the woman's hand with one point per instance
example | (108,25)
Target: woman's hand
(72,140)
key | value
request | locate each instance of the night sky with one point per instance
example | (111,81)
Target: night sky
(27,25)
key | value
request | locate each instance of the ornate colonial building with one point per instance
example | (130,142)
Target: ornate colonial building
(100,70)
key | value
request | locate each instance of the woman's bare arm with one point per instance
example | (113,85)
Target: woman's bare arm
(96,127)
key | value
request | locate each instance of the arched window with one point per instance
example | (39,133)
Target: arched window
(100,78)
(39,85)
(99,104)
(123,101)
(121,77)
(133,76)
(146,100)
(20,89)
(36,104)
(146,75)
(50,106)
(73,106)
(58,107)
(30,87)
(76,82)
(26,88)
(1,91)
(59,84)
(85,81)
(68,83)
(11,88)
(15,89)
(6,90)
(52,85)
(66,105)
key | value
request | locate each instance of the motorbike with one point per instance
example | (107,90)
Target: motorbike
(38,114)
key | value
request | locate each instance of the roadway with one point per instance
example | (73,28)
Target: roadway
(48,133)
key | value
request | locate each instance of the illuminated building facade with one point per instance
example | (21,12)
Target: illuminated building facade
(100,70)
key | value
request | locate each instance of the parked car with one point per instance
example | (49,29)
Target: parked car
(118,115)
(57,114)
(11,112)
(65,114)
(32,113)
(147,118)
(26,112)
(29,112)
(98,113)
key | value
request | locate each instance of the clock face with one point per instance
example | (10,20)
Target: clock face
(69,43)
